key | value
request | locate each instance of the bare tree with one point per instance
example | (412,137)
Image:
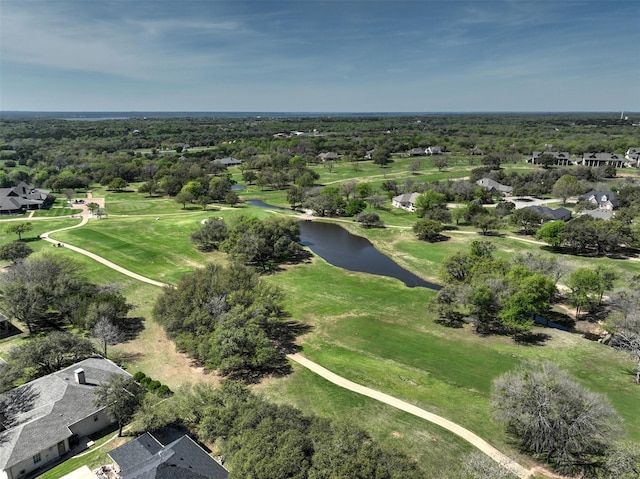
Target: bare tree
(554,417)
(107,334)
(626,337)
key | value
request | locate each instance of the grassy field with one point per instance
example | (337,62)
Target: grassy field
(370,329)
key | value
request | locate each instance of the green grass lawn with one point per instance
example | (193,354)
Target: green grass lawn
(95,457)
(372,330)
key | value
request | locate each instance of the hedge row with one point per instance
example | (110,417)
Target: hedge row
(152,385)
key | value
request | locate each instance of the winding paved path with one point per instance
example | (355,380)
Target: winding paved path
(465,434)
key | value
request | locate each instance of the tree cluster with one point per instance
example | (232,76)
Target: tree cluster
(260,439)
(496,295)
(251,240)
(227,318)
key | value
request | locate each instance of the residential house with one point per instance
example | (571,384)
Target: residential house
(145,457)
(406,201)
(43,419)
(227,161)
(416,152)
(633,156)
(603,159)
(549,214)
(605,200)
(23,197)
(434,150)
(561,158)
(489,184)
(329,156)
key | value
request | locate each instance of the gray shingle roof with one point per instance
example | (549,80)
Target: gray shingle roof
(488,183)
(181,459)
(44,409)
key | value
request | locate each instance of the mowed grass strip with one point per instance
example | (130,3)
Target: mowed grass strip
(435,449)
(377,332)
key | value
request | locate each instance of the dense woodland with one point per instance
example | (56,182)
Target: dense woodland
(228,319)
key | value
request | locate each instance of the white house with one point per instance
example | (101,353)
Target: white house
(406,201)
(42,420)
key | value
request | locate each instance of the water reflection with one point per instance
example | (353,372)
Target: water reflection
(340,248)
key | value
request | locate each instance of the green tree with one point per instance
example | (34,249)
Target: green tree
(18,228)
(370,220)
(34,286)
(295,195)
(428,230)
(551,233)
(429,200)
(381,157)
(210,235)
(117,184)
(121,396)
(151,187)
(441,162)
(554,417)
(93,207)
(486,223)
(15,251)
(483,306)
(47,354)
(264,242)
(183,198)
(527,219)
(517,313)
(585,289)
(355,207)
(225,317)
(566,186)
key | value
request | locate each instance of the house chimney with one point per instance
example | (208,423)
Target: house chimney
(79,374)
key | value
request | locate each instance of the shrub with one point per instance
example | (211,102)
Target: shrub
(145,381)
(164,391)
(137,377)
(153,385)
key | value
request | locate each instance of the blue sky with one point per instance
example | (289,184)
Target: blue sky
(312,56)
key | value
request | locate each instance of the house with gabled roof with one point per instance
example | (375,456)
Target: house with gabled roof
(145,458)
(490,184)
(23,197)
(549,214)
(603,159)
(417,152)
(407,201)
(44,419)
(329,156)
(633,156)
(604,200)
(229,161)
(561,158)
(434,150)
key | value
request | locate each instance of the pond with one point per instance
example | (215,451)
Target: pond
(340,248)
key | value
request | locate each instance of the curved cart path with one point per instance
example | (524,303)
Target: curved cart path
(465,434)
(99,259)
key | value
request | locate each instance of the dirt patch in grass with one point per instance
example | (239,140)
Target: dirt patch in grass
(155,355)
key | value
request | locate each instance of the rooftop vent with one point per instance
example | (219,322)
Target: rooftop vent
(79,374)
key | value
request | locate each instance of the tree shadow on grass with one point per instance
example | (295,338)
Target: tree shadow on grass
(532,339)
(121,357)
(132,328)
